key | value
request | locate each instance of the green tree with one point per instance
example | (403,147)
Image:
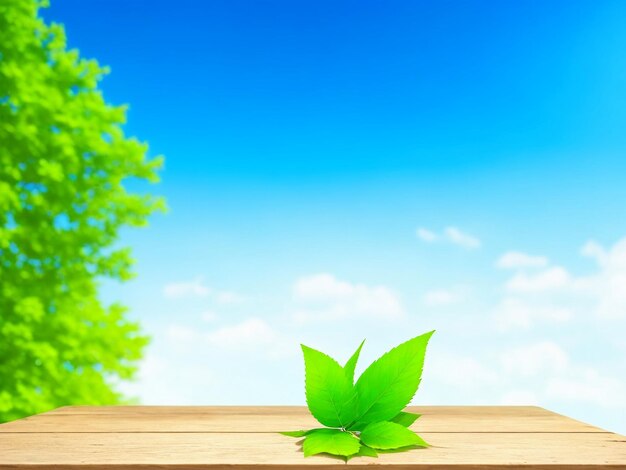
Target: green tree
(64,163)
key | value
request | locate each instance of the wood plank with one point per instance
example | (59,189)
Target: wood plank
(114,451)
(276,418)
(282,410)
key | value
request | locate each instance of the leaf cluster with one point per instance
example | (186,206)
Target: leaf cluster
(366,417)
(66,173)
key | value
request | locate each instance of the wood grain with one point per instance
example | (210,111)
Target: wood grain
(124,438)
(277,418)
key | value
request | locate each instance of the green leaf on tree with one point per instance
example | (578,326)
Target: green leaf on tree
(65,159)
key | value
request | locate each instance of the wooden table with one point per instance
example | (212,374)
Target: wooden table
(151,437)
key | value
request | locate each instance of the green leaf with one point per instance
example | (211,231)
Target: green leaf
(329,394)
(390,382)
(351,364)
(405,419)
(365,451)
(387,435)
(330,441)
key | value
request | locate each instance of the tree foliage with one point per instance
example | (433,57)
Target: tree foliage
(64,162)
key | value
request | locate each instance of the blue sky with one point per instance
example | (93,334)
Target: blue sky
(307,142)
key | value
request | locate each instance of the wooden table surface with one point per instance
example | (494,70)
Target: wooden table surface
(166,437)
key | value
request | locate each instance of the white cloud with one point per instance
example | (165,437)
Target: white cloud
(322,287)
(209,316)
(602,292)
(442,297)
(537,373)
(517,259)
(586,385)
(228,298)
(426,235)
(548,279)
(181,333)
(164,379)
(608,285)
(451,234)
(195,288)
(251,334)
(461,372)
(594,250)
(519,397)
(530,360)
(323,296)
(612,303)
(514,313)
(454,235)
(248,334)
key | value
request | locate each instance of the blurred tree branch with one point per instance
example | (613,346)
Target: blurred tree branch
(64,159)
